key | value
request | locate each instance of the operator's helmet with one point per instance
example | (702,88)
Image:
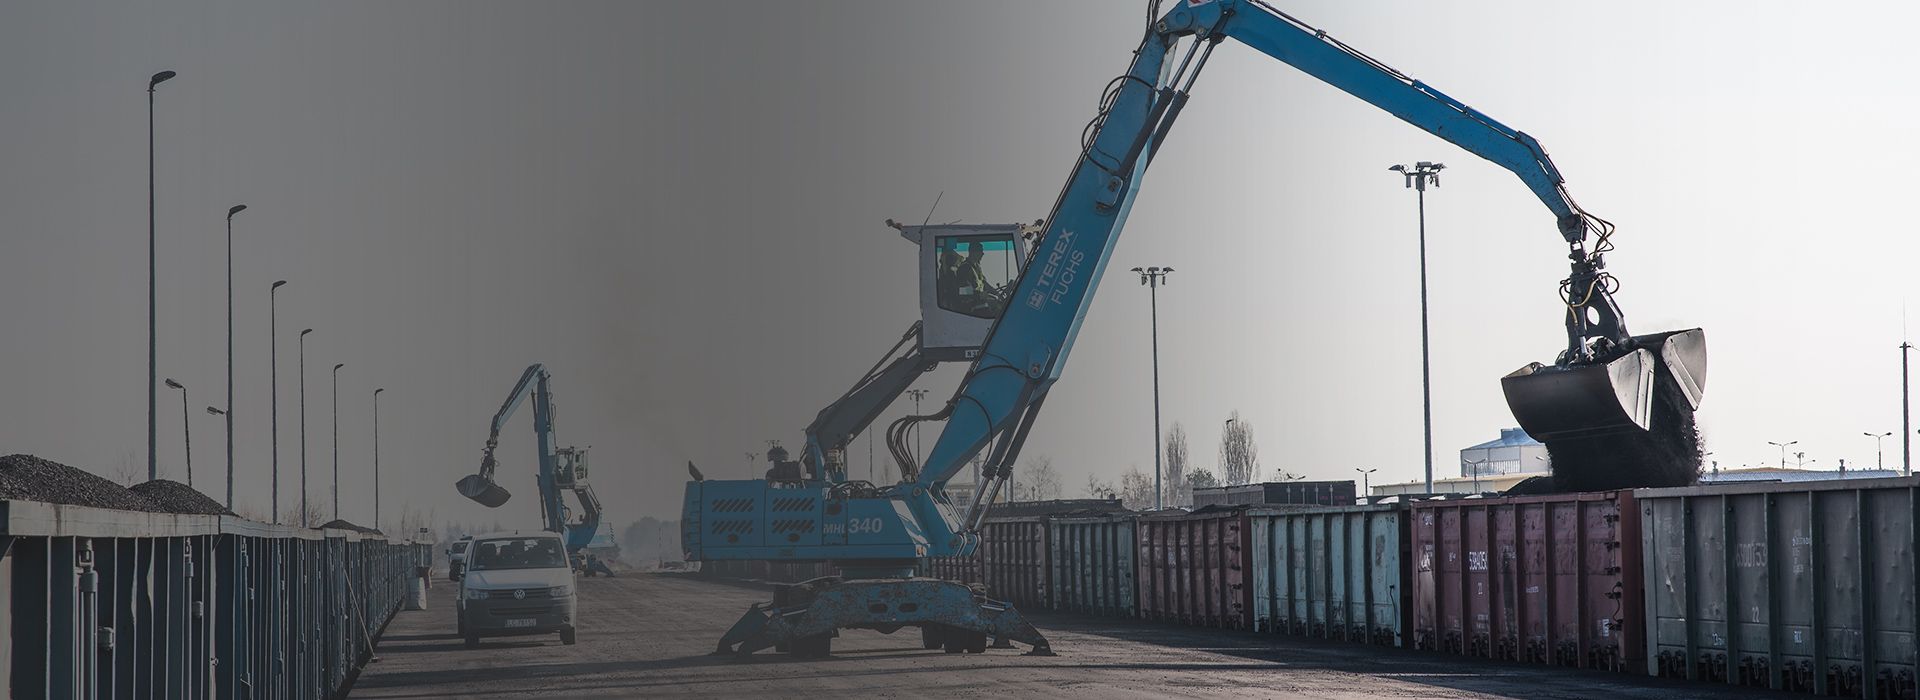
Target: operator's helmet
(776,454)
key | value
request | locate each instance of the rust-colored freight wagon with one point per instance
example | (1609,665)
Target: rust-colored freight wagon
(1817,593)
(1539,579)
(1332,573)
(1092,565)
(1196,568)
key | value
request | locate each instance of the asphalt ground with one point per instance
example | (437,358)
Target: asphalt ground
(648,636)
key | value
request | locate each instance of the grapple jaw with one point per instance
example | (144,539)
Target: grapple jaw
(1563,401)
(481,487)
(1623,422)
(482,490)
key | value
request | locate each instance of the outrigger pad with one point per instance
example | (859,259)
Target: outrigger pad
(482,491)
(818,608)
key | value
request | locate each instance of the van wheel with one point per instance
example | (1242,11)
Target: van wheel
(566,636)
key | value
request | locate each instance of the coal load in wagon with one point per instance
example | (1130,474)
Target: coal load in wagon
(30,478)
(344,525)
(175,497)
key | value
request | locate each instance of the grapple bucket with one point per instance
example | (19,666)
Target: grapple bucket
(482,490)
(1554,403)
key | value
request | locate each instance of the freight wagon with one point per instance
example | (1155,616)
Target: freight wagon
(1805,586)
(1195,567)
(122,604)
(1331,573)
(1808,587)
(1538,579)
(1012,561)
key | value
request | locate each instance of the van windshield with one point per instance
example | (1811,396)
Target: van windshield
(517,553)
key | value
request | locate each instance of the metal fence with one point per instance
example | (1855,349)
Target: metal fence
(117,604)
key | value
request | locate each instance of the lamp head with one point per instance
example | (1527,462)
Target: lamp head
(215,412)
(160,77)
(337,367)
(303,333)
(176,385)
(237,208)
(278,284)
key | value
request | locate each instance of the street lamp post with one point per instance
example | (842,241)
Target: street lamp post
(186,426)
(1906,415)
(1879,452)
(303,428)
(153,367)
(215,411)
(235,209)
(376,457)
(1473,468)
(1153,277)
(273,382)
(751,457)
(1783,450)
(1366,484)
(1419,177)
(336,439)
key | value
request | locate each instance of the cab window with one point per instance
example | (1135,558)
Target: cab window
(975,273)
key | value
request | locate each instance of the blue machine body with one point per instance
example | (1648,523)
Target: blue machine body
(821,517)
(1027,349)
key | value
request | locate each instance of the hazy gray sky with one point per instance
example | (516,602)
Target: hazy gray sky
(678,207)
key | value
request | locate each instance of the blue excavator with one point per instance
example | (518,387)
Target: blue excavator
(1611,403)
(562,470)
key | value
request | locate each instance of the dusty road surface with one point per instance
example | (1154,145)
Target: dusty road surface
(647,636)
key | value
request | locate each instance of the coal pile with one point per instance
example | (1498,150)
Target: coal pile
(175,497)
(1667,455)
(344,525)
(30,478)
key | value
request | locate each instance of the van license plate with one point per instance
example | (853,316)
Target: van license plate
(523,622)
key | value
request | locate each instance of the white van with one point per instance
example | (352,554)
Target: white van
(516,584)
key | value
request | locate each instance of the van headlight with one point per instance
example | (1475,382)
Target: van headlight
(560,591)
(476,594)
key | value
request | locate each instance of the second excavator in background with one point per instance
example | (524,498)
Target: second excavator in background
(561,470)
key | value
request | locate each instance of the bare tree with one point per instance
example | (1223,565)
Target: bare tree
(1136,489)
(1098,489)
(1043,482)
(1239,456)
(1177,461)
(126,473)
(315,516)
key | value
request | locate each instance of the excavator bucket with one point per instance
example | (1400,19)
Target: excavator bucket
(1626,423)
(482,490)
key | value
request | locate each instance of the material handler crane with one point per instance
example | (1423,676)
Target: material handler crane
(1611,401)
(561,468)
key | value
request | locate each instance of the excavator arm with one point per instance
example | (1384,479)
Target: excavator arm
(559,467)
(1587,392)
